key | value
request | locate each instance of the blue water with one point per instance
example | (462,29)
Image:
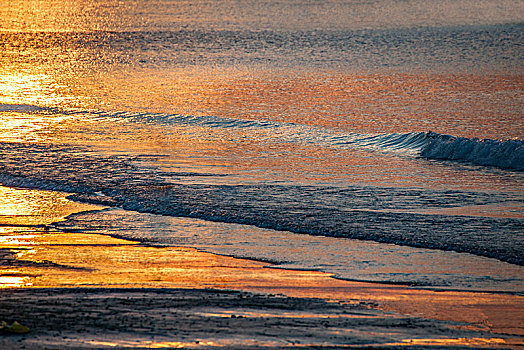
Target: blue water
(373,140)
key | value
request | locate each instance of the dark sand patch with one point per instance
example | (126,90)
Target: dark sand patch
(197,318)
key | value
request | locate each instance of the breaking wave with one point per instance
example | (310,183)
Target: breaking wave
(507,154)
(504,154)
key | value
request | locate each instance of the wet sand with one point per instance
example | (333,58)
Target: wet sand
(81,290)
(205,318)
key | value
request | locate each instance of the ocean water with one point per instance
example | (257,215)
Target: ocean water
(378,141)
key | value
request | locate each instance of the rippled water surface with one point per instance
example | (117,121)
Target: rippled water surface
(378,140)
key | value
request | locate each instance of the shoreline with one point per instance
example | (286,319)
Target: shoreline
(34,261)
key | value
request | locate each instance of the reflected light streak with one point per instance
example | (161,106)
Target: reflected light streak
(26,127)
(454,342)
(216,343)
(15,240)
(21,96)
(27,255)
(304,315)
(481,342)
(15,282)
(35,207)
(29,89)
(153,344)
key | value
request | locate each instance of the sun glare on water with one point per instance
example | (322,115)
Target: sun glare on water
(14,281)
(29,89)
(23,102)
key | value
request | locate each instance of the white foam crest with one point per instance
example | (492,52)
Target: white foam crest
(506,154)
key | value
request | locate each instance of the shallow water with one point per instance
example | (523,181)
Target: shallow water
(378,141)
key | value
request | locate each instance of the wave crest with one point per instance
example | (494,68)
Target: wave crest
(506,154)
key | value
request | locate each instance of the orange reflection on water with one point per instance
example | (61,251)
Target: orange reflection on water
(95,260)
(15,239)
(86,260)
(70,15)
(149,344)
(30,89)
(7,281)
(22,97)
(365,103)
(35,207)
(354,101)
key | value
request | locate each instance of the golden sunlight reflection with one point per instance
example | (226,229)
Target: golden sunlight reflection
(30,89)
(15,239)
(101,261)
(27,126)
(480,342)
(7,281)
(280,314)
(454,342)
(70,15)
(149,344)
(35,207)
(23,99)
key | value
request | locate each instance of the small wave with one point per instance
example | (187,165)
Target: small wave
(395,142)
(507,154)
(281,131)
(21,108)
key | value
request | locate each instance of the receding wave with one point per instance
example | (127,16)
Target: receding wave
(369,213)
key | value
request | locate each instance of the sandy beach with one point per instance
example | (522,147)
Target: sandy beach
(78,290)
